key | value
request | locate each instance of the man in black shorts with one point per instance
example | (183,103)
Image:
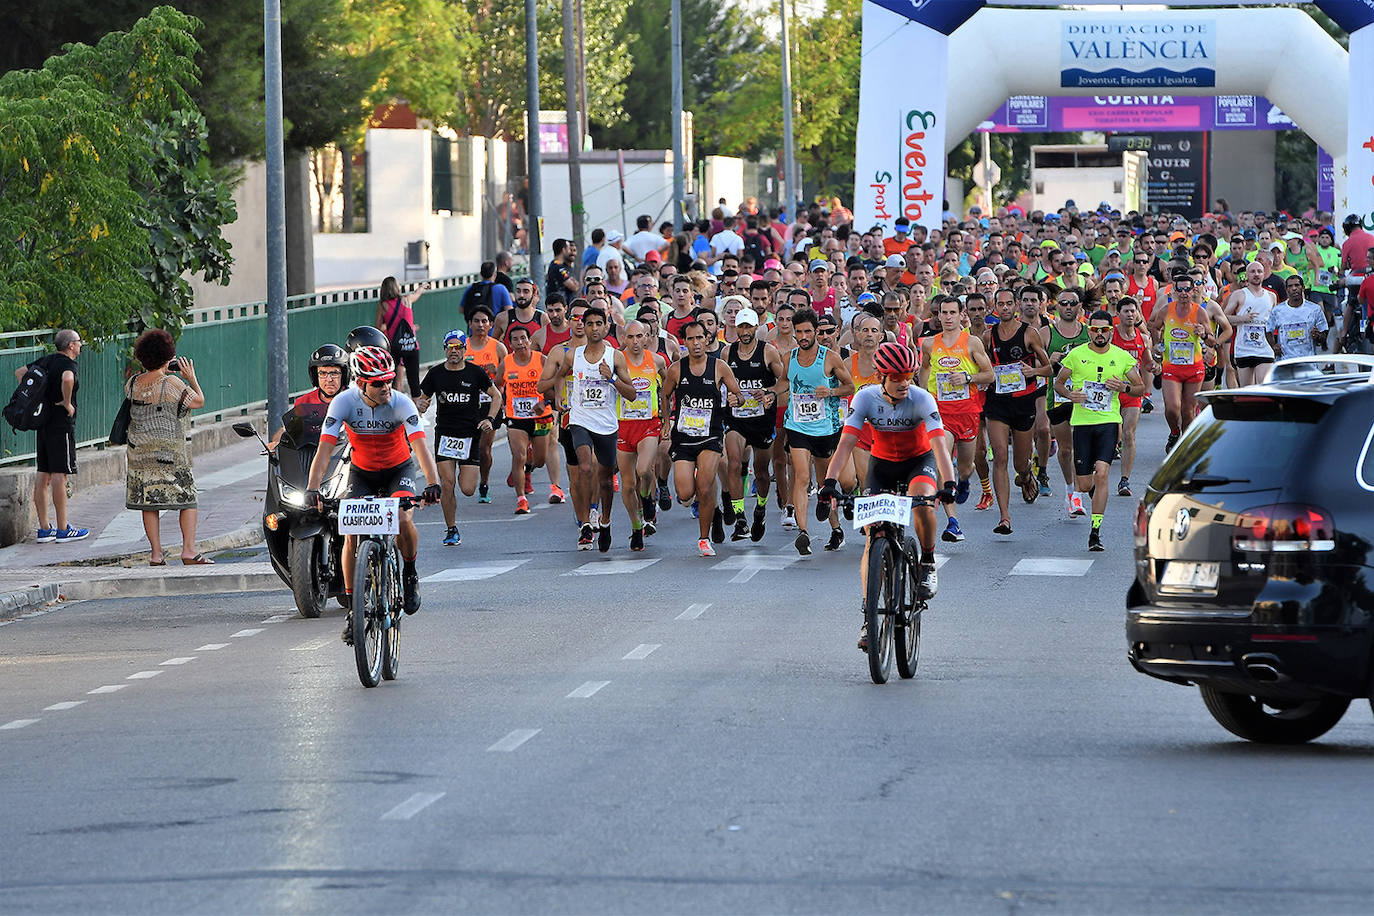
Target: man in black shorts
(759,371)
(1018,358)
(57,438)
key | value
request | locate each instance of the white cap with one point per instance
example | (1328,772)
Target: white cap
(747,316)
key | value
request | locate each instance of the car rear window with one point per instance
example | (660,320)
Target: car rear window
(1250,438)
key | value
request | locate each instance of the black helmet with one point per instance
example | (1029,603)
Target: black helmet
(366,336)
(328,355)
(1350,220)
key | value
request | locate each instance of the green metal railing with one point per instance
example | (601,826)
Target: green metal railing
(229,347)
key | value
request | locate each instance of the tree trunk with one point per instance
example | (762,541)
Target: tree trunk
(300,241)
(347,187)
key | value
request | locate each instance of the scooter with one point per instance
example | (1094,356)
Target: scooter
(304,545)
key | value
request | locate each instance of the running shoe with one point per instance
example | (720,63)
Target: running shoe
(836,539)
(603,540)
(789,518)
(594,517)
(484,494)
(615,483)
(728,507)
(741,529)
(70,534)
(984,502)
(1147,406)
(803,544)
(665,500)
(585,538)
(650,528)
(1074,505)
(705,549)
(1170,443)
(1124,488)
(529,484)
(648,509)
(1095,541)
(756,530)
(1044,481)
(927,582)
(555,495)
(718,526)
(952,532)
(961,493)
(451,538)
(522,506)
(863,636)
(637,540)
(410,587)
(696,509)
(47,535)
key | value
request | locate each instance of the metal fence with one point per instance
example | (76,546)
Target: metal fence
(229,347)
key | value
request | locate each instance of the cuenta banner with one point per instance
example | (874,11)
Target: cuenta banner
(1137,113)
(899,160)
(1177,52)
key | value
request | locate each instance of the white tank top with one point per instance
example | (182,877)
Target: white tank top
(1250,338)
(594,399)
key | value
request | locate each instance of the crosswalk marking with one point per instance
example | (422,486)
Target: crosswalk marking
(693,612)
(412,806)
(474,572)
(1051,566)
(611,567)
(588,689)
(641,651)
(516,738)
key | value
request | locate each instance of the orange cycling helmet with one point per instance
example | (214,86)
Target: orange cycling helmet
(372,364)
(894,359)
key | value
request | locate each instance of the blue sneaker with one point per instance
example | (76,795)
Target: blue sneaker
(696,509)
(71,534)
(952,531)
(47,535)
(961,494)
(484,494)
(451,539)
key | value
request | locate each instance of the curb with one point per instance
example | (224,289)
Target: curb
(246,536)
(206,584)
(17,603)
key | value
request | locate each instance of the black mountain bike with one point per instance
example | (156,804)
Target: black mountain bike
(892,606)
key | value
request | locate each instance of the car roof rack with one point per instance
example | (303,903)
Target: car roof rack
(1293,367)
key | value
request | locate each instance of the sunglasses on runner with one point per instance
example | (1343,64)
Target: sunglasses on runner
(904,379)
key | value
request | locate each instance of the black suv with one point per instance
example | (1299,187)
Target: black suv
(1253,551)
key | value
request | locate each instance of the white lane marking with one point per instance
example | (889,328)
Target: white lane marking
(644,650)
(142,675)
(412,806)
(126,526)
(757,561)
(1051,566)
(693,612)
(108,688)
(179,661)
(278,618)
(744,575)
(313,645)
(588,689)
(251,631)
(212,646)
(514,739)
(17,723)
(65,704)
(612,567)
(475,572)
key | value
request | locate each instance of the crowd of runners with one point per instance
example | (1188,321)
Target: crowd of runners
(719,367)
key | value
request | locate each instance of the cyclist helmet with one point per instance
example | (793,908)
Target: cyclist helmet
(365,336)
(328,355)
(455,337)
(894,359)
(372,364)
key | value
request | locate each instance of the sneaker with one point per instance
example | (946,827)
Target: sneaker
(555,495)
(836,539)
(529,484)
(648,509)
(718,526)
(410,584)
(863,636)
(1078,509)
(594,517)
(348,629)
(756,530)
(696,509)
(741,529)
(985,502)
(1170,443)
(585,538)
(637,539)
(665,500)
(1147,406)
(1054,446)
(615,483)
(789,518)
(952,532)
(727,507)
(650,528)
(1044,480)
(1095,541)
(451,538)
(47,535)
(961,493)
(522,506)
(71,534)
(484,494)
(927,582)
(705,549)
(1124,488)
(603,539)
(803,544)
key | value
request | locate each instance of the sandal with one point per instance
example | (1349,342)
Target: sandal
(162,562)
(1030,488)
(1003,527)
(199,559)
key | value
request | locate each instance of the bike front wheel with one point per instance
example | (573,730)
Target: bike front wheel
(879,607)
(391,641)
(908,635)
(369,605)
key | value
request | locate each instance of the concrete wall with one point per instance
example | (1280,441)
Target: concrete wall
(1243,168)
(247,237)
(648,189)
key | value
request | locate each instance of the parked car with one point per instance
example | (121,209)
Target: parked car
(1253,553)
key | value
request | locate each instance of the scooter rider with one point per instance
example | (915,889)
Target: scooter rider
(329,374)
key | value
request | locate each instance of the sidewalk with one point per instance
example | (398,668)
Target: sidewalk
(113,560)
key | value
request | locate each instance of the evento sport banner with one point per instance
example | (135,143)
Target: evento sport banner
(899,159)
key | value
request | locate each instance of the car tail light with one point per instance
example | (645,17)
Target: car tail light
(1142,524)
(1284,528)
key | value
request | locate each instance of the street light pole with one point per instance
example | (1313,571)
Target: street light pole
(789,164)
(679,167)
(574,126)
(278,380)
(533,163)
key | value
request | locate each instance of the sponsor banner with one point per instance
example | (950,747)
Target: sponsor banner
(1326,181)
(885,507)
(899,159)
(1178,173)
(1359,164)
(370,516)
(1037,113)
(1138,52)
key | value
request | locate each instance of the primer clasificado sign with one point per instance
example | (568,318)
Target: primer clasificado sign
(1133,53)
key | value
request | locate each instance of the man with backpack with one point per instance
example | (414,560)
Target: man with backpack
(486,292)
(47,394)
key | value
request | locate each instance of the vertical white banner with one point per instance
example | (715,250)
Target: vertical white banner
(899,159)
(1358,195)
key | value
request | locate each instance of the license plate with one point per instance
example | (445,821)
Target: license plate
(1189,576)
(370,516)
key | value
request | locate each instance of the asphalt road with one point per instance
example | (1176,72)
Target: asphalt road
(693,735)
